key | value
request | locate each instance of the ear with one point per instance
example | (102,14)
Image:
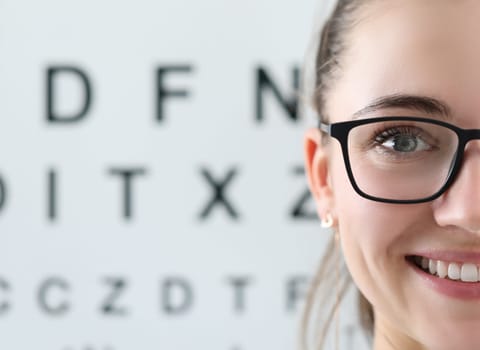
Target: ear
(317,171)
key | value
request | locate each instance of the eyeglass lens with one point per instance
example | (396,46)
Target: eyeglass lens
(401,160)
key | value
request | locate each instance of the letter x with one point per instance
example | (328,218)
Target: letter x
(218,195)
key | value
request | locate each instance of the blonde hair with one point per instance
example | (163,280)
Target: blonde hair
(327,289)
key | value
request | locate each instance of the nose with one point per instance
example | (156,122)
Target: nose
(459,206)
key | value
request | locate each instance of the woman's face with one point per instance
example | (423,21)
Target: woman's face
(428,48)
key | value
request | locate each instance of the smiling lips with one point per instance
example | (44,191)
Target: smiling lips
(465,272)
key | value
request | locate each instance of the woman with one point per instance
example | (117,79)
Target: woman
(394,169)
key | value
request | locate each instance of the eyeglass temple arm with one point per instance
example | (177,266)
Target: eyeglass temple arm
(324,127)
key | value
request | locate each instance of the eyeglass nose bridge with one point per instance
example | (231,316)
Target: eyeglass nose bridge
(465,136)
(470,135)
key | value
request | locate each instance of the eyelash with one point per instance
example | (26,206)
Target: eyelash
(380,136)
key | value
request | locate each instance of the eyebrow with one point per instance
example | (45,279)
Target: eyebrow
(423,104)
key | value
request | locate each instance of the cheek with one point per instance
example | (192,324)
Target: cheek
(374,235)
(362,224)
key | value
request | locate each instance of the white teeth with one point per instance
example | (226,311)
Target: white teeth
(425,263)
(466,272)
(432,266)
(454,271)
(469,273)
(441,269)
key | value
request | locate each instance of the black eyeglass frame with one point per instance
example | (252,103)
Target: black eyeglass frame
(341,130)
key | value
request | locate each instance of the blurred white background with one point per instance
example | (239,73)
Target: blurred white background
(167,210)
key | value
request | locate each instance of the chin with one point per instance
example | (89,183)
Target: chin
(451,335)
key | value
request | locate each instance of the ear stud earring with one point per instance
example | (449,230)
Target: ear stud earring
(327,222)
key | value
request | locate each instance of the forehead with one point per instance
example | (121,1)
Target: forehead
(419,47)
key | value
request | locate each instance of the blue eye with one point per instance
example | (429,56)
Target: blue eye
(402,139)
(405,143)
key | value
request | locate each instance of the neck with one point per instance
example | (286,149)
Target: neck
(388,337)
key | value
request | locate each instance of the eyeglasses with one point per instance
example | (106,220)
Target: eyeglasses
(401,159)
